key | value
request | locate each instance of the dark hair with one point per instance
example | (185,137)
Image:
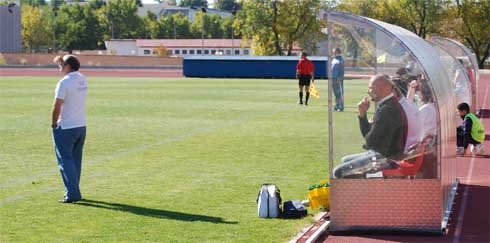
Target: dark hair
(426,92)
(304,54)
(400,85)
(464,107)
(402,71)
(72,61)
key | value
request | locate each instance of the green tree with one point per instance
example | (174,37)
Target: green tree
(257,21)
(182,26)
(420,17)
(35,3)
(274,26)
(77,27)
(121,20)
(366,8)
(227,28)
(153,28)
(196,3)
(176,26)
(36,27)
(210,23)
(225,5)
(471,26)
(299,22)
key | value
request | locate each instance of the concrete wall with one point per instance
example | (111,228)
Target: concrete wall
(10,29)
(93,60)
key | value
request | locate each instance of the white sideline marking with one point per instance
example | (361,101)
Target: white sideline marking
(459,225)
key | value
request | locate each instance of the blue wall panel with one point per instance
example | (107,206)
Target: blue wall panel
(247,67)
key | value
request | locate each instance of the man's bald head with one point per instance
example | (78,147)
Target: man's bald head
(380,86)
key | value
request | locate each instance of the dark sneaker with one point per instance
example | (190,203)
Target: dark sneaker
(300,102)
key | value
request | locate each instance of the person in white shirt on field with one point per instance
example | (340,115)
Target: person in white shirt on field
(69,125)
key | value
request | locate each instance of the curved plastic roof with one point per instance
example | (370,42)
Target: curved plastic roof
(426,55)
(458,50)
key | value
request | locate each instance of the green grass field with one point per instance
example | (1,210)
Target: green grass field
(165,160)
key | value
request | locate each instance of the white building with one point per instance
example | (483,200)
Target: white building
(179,47)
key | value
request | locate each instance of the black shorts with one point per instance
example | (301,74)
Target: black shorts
(304,79)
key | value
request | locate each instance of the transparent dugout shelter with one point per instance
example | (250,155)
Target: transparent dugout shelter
(469,63)
(394,168)
(458,74)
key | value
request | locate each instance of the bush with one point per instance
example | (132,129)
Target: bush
(161,51)
(2,60)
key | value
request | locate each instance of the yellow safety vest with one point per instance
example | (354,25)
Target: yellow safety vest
(477,129)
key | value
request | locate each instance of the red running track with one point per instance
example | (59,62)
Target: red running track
(95,72)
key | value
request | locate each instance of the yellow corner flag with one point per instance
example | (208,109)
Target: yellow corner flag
(313,91)
(381,59)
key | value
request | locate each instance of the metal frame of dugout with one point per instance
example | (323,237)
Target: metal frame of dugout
(417,203)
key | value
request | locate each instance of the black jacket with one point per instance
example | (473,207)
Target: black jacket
(388,132)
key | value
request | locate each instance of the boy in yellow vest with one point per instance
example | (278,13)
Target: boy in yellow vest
(470,132)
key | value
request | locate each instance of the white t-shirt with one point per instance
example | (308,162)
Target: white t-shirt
(414,133)
(427,113)
(72,89)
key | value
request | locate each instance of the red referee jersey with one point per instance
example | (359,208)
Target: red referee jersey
(305,66)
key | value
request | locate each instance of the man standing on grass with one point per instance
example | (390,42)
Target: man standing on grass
(305,73)
(338,79)
(68,124)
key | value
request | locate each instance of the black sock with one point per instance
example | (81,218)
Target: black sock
(301,96)
(307,97)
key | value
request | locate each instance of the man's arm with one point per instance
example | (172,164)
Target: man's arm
(364,124)
(412,89)
(55,113)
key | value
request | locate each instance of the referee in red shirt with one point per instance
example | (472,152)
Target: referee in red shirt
(305,73)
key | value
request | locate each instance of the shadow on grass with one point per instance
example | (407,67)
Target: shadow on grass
(150,212)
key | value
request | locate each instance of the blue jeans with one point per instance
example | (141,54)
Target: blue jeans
(68,146)
(338,91)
